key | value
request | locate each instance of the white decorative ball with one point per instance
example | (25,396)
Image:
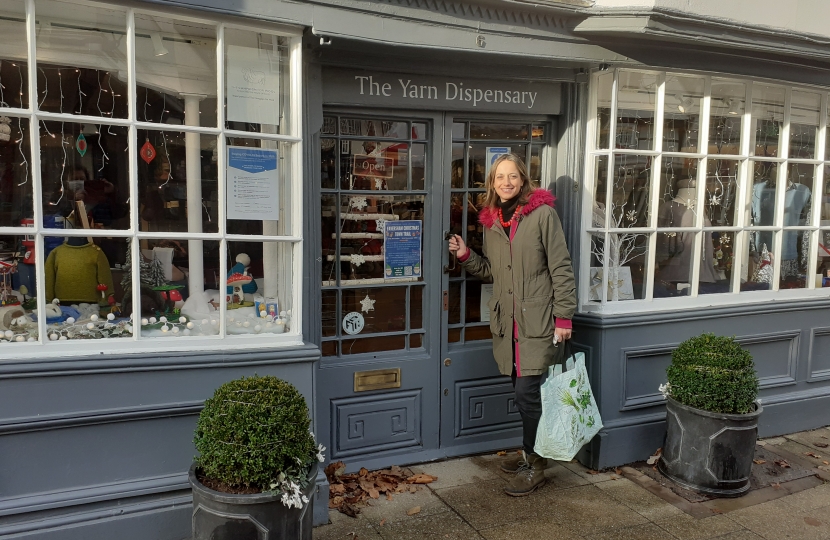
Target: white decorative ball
(90,326)
(110,316)
(144,322)
(269,324)
(31,339)
(282,314)
(20,339)
(204,321)
(269,318)
(230,319)
(93,318)
(71,320)
(186,332)
(214,322)
(53,337)
(257,328)
(62,338)
(246,324)
(8,334)
(190,325)
(175,330)
(162,319)
(152,320)
(263,313)
(165,328)
(182,320)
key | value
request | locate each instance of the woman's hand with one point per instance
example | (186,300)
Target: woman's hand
(458,246)
(562,334)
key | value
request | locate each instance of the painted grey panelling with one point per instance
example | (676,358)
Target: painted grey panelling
(366,424)
(94,446)
(818,365)
(644,370)
(775,355)
(485,406)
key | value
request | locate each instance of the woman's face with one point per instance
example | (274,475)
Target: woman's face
(507,181)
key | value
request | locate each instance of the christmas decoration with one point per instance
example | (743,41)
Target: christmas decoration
(80,144)
(367,304)
(148,152)
(357,259)
(358,202)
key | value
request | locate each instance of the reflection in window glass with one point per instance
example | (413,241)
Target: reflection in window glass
(459,130)
(677,192)
(373,344)
(373,165)
(457,165)
(626,255)
(721,191)
(479,166)
(630,191)
(454,312)
(600,191)
(636,102)
(18,291)
(16,171)
(14,75)
(805,110)
(823,261)
(388,129)
(328,163)
(499,131)
(66,83)
(167,191)
(382,309)
(768,118)
(329,313)
(535,165)
(477,333)
(419,131)
(727,109)
(419,166)
(604,86)
(825,197)
(681,124)
(416,307)
(416,341)
(85,175)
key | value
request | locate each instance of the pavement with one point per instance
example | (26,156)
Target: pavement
(467,502)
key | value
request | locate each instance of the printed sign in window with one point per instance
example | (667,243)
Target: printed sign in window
(373,166)
(402,249)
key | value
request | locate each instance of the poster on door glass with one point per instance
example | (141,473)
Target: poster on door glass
(253,94)
(402,249)
(253,188)
(493,153)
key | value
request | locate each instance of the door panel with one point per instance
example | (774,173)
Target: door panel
(478,410)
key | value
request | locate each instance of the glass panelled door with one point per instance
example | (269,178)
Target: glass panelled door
(477,402)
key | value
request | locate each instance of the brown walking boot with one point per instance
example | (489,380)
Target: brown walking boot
(512,464)
(530,476)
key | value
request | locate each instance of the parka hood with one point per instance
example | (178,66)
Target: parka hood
(539,197)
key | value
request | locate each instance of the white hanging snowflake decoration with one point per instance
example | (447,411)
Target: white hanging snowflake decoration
(380,225)
(631,215)
(358,202)
(714,200)
(378,183)
(357,259)
(367,304)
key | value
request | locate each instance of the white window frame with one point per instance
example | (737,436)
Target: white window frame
(694,300)
(294,141)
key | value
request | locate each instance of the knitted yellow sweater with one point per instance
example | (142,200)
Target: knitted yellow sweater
(74,272)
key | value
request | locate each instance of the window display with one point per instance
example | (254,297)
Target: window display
(132,236)
(736,216)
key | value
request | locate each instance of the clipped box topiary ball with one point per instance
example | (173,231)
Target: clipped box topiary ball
(251,431)
(713,373)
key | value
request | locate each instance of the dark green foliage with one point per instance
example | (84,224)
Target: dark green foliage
(713,373)
(253,429)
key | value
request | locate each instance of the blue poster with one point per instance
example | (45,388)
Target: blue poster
(402,249)
(253,186)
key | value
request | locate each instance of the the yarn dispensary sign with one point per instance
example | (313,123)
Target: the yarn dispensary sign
(358,87)
(253,184)
(402,249)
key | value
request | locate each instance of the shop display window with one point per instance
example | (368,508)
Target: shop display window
(670,220)
(132,205)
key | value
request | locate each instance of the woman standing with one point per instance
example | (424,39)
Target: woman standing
(534,296)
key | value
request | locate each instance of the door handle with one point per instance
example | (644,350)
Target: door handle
(448,268)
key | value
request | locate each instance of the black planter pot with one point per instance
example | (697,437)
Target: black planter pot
(224,516)
(709,452)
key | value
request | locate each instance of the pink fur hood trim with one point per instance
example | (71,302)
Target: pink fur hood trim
(539,197)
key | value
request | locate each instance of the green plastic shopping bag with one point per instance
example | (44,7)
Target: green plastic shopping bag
(570,417)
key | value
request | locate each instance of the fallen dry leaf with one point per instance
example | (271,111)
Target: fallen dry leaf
(414,510)
(655,457)
(782,463)
(383,522)
(811,454)
(388,496)
(618,471)
(826,462)
(615,478)
(716,511)
(413,489)
(591,471)
(337,489)
(421,479)
(812,521)
(350,510)
(759,461)
(501,453)
(373,493)
(821,445)
(363,471)
(776,486)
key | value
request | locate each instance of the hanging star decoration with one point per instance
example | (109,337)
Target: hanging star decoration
(357,259)
(631,215)
(714,200)
(378,183)
(358,203)
(367,304)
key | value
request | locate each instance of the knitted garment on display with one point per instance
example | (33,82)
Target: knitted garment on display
(74,272)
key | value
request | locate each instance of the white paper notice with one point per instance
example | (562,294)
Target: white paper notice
(253,189)
(253,91)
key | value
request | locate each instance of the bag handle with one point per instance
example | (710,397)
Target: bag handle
(570,359)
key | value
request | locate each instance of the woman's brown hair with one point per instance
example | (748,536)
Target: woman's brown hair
(491,198)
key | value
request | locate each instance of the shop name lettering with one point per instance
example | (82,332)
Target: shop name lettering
(452,92)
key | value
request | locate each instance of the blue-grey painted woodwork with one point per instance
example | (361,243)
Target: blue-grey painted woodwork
(99,446)
(628,354)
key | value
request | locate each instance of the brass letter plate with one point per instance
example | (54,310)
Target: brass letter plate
(377,379)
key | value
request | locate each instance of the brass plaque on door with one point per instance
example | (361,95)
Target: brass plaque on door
(377,379)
